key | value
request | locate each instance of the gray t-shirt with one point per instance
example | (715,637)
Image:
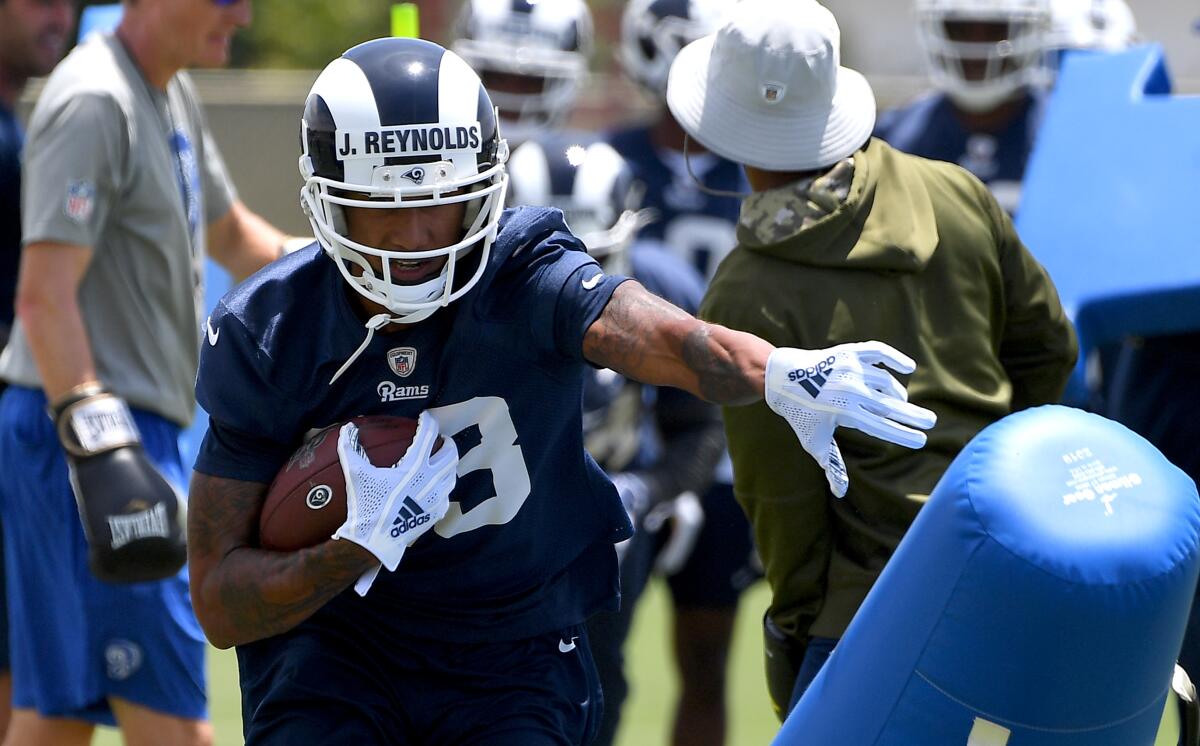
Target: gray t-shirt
(114,164)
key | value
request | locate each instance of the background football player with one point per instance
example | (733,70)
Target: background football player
(475,632)
(985,59)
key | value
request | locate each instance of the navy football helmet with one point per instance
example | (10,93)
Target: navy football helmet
(395,124)
(981,73)
(653,32)
(591,183)
(532,56)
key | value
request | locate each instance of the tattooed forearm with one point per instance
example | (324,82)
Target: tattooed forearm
(720,376)
(262,594)
(241,593)
(647,339)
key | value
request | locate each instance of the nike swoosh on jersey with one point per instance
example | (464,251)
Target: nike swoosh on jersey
(212,335)
(566,647)
(593,282)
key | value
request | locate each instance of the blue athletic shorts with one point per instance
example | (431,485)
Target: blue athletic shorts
(723,563)
(342,684)
(75,640)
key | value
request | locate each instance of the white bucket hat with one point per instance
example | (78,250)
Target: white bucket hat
(768,90)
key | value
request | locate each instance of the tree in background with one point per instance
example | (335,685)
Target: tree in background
(306,34)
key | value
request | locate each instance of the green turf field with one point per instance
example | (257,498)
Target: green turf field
(652,679)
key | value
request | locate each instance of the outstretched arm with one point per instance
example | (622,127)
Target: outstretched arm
(241,593)
(648,339)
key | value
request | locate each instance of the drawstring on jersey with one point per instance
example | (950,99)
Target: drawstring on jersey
(374,324)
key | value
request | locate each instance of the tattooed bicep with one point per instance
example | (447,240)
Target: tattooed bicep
(223,513)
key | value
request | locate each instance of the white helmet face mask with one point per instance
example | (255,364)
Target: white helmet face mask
(376,139)
(593,186)
(653,32)
(544,46)
(982,72)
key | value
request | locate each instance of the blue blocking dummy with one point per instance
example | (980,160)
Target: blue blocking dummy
(1109,204)
(1039,599)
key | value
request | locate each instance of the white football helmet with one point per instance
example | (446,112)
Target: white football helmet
(394,124)
(1106,25)
(541,48)
(593,186)
(981,70)
(653,32)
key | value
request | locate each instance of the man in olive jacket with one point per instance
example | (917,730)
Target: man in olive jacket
(845,238)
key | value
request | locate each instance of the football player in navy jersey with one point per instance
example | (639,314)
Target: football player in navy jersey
(657,445)
(474,632)
(697,222)
(532,57)
(986,63)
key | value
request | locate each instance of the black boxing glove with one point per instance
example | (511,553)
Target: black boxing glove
(132,517)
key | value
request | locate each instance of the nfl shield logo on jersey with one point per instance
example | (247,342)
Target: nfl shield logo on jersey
(402,360)
(80,198)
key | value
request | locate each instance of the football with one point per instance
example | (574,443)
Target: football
(306,502)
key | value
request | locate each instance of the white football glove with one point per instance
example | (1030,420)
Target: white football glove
(817,391)
(389,508)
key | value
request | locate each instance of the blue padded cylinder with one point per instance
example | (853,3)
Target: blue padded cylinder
(1039,598)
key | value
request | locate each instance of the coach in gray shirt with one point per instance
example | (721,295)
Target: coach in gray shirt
(124,194)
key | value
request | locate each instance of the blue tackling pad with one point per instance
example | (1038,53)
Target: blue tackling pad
(1109,199)
(1039,599)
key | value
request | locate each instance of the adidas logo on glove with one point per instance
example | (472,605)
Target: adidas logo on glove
(812,379)
(410,517)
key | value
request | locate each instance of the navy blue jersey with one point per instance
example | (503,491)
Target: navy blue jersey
(526,547)
(10,213)
(929,127)
(697,227)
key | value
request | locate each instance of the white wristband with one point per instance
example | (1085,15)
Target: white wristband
(98,424)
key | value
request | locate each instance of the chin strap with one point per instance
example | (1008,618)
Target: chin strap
(687,162)
(375,323)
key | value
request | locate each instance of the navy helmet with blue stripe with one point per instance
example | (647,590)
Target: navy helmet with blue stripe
(653,32)
(591,183)
(399,123)
(532,56)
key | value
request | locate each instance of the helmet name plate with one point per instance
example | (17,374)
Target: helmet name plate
(431,139)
